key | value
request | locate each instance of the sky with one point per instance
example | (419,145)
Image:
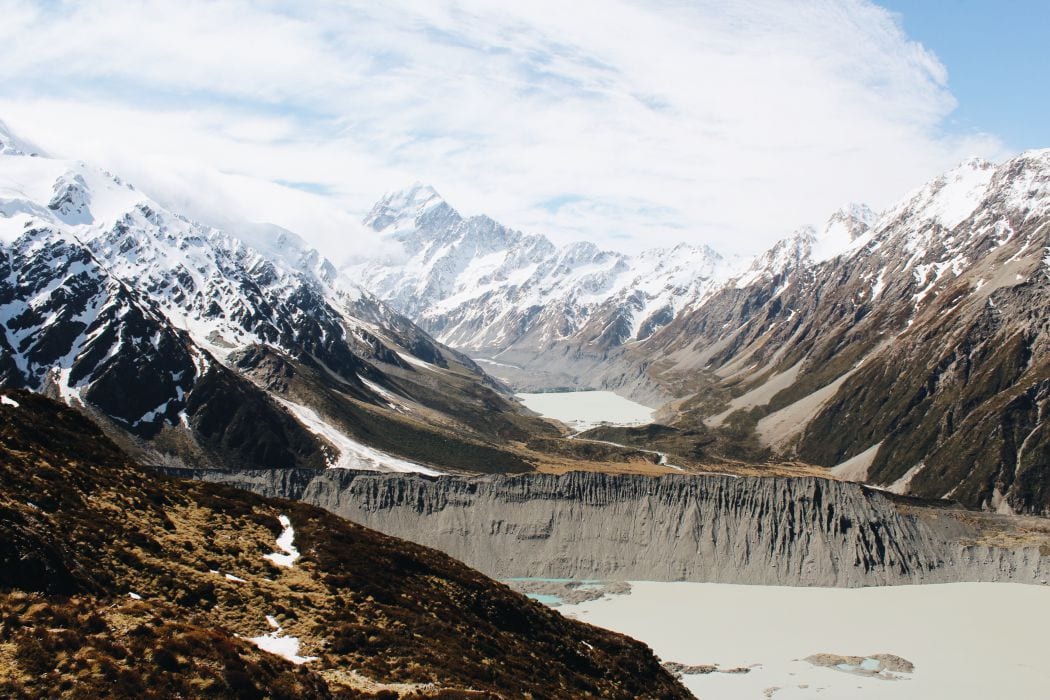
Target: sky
(629,123)
(996,54)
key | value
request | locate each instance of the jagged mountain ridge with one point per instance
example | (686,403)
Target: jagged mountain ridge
(509,299)
(179,334)
(915,361)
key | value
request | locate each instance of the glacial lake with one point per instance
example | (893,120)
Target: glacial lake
(966,640)
(586,409)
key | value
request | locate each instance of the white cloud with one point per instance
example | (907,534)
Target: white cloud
(629,123)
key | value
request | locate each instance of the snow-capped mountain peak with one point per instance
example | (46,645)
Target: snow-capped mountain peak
(1026,183)
(786,255)
(408,208)
(841,232)
(67,194)
(489,289)
(947,200)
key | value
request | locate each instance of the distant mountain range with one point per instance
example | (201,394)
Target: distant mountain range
(527,310)
(906,349)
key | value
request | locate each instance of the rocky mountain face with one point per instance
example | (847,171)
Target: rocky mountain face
(707,528)
(532,313)
(117,582)
(196,346)
(915,360)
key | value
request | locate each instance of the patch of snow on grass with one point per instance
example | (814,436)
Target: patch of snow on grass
(276,643)
(8,401)
(236,579)
(286,543)
(134,596)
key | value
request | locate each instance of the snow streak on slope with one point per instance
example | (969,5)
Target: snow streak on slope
(286,543)
(276,642)
(352,454)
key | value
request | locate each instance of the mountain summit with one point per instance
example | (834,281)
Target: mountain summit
(404,208)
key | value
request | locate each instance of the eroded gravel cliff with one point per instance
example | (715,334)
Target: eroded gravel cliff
(771,531)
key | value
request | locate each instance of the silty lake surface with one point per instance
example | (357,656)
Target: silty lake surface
(586,409)
(968,641)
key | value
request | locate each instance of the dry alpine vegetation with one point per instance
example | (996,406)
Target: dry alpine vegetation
(116,582)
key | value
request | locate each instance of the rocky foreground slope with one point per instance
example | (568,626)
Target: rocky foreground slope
(782,531)
(115,582)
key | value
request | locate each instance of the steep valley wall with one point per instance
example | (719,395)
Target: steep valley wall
(770,531)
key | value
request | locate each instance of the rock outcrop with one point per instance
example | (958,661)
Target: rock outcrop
(770,531)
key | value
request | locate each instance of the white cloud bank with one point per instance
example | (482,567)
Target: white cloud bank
(629,123)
